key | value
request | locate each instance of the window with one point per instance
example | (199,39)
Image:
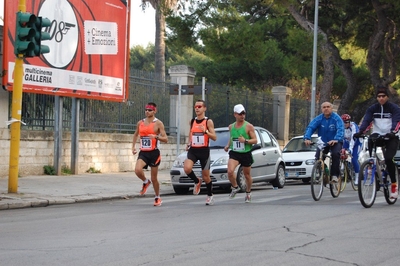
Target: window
(266,138)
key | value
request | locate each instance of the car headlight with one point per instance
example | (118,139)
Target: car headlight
(178,163)
(310,162)
(221,161)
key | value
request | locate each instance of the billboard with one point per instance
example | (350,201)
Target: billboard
(89,49)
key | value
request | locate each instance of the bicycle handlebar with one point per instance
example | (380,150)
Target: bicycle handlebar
(376,137)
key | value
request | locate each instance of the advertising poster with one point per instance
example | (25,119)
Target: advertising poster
(89,49)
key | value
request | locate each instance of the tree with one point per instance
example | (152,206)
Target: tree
(370,25)
(142,58)
(257,44)
(161,7)
(245,48)
(330,55)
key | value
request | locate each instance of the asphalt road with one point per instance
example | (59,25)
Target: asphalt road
(279,227)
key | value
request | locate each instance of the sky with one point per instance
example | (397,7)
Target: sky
(142,28)
(1,12)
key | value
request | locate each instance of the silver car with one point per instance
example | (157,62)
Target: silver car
(268,164)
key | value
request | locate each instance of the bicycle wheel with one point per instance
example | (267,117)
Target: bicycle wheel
(336,188)
(387,188)
(367,185)
(352,176)
(344,173)
(316,181)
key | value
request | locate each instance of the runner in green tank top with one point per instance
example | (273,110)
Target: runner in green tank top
(235,134)
(242,137)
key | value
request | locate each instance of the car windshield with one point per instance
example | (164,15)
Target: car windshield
(297,145)
(222,140)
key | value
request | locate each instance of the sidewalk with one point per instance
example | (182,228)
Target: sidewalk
(42,191)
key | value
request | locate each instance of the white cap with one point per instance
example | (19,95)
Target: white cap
(238,108)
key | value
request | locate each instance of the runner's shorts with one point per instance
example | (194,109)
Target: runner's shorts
(245,159)
(151,158)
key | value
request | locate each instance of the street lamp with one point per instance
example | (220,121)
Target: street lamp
(314,62)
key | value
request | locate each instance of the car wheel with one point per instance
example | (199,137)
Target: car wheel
(280,178)
(241,180)
(306,180)
(181,190)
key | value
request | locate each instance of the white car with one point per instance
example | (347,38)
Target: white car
(299,159)
(268,165)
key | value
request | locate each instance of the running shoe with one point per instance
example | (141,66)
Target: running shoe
(247,199)
(145,187)
(234,192)
(157,202)
(210,200)
(334,179)
(196,188)
(394,191)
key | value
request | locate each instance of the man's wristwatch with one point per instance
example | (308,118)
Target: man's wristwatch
(206,132)
(246,141)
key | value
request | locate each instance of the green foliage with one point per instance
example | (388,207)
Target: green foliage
(183,35)
(299,54)
(142,58)
(49,170)
(93,170)
(257,44)
(66,170)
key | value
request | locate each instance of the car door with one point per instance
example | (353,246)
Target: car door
(259,164)
(270,152)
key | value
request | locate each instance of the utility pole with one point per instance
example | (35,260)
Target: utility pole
(314,62)
(28,38)
(16,106)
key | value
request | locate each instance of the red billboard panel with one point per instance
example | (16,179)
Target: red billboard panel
(89,49)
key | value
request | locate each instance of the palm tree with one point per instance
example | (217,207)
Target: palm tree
(161,7)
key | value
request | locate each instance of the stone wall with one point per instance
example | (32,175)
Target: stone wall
(107,152)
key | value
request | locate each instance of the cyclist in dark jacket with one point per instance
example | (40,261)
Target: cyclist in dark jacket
(384,116)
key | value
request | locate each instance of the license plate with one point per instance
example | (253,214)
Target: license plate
(296,174)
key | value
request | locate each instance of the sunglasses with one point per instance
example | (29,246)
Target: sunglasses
(347,122)
(242,113)
(381,96)
(149,110)
(198,106)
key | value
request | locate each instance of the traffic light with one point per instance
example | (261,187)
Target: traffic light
(29,35)
(24,34)
(41,36)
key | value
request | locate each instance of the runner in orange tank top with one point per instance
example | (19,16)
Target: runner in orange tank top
(201,131)
(149,131)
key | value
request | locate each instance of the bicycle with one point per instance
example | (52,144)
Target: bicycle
(347,170)
(373,175)
(320,175)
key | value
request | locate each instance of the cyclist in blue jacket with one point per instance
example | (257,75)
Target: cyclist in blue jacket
(351,144)
(330,128)
(384,116)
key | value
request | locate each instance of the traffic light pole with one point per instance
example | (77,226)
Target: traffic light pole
(16,107)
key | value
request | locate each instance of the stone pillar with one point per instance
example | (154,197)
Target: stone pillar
(181,113)
(281,113)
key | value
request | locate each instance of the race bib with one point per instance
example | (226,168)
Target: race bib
(237,146)
(145,143)
(198,140)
